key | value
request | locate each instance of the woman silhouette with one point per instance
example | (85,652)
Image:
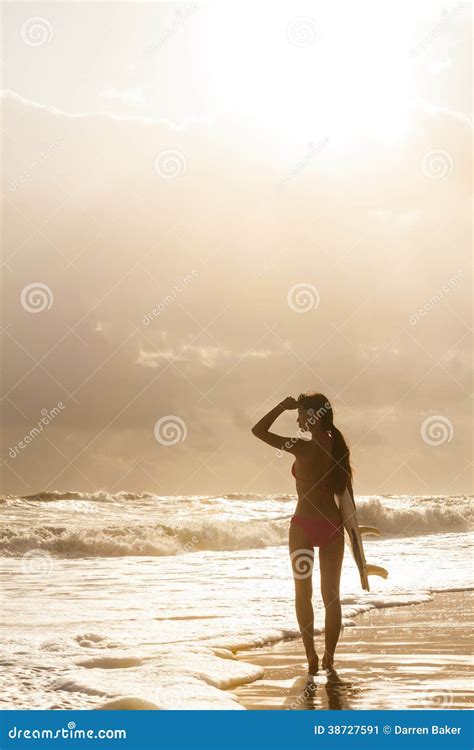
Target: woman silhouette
(321,468)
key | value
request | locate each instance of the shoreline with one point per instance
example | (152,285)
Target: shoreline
(414,656)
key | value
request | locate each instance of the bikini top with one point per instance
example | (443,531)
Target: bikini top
(326,481)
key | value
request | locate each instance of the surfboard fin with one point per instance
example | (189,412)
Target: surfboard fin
(369,530)
(376,570)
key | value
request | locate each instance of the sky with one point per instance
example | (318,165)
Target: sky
(209,207)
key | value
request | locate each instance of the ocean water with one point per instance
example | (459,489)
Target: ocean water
(137,596)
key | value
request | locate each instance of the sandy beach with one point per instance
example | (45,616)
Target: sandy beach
(411,657)
(174,602)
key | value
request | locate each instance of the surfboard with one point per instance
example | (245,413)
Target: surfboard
(354,534)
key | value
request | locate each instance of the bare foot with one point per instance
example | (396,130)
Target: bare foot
(328,666)
(333,677)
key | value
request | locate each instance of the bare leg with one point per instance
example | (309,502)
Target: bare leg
(302,558)
(330,561)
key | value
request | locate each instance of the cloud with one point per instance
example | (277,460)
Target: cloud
(96,223)
(206,356)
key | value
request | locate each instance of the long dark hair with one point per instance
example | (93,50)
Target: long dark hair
(319,409)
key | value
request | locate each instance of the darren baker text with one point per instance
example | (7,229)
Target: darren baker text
(434,729)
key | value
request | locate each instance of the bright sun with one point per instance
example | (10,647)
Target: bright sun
(306,70)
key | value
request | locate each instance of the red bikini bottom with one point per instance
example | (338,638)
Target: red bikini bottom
(319,531)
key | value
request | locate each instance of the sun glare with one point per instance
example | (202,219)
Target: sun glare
(300,76)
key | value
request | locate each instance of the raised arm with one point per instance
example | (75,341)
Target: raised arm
(261,429)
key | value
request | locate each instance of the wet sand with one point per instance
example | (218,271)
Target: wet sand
(410,657)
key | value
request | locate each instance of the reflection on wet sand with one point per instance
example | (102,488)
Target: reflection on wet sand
(320,694)
(396,658)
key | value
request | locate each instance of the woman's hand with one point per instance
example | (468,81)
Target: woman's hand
(289,403)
